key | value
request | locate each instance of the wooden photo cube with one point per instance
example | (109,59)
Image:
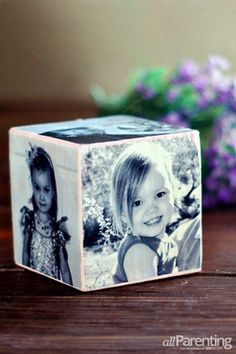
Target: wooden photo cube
(106,201)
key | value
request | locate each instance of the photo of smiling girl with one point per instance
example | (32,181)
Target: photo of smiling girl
(44,237)
(143,205)
(141,210)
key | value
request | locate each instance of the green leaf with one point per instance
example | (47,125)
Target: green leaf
(229,149)
(136,77)
(156,78)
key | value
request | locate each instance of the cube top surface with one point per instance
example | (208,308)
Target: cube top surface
(104,129)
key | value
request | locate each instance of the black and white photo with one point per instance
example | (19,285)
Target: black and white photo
(141,206)
(44,236)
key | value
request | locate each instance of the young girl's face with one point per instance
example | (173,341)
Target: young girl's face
(42,189)
(153,206)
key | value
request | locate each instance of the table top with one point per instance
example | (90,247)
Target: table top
(38,315)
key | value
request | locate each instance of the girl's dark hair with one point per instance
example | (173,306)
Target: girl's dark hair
(39,159)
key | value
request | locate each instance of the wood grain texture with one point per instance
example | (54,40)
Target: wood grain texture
(38,315)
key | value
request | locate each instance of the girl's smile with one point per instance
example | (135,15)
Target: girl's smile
(153,221)
(153,206)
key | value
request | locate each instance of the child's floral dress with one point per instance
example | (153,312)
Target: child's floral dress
(45,242)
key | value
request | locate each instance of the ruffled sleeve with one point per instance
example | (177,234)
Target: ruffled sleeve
(27,219)
(61,235)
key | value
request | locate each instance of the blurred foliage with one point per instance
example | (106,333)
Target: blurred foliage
(190,95)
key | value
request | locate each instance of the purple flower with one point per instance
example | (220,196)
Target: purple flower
(140,87)
(217,172)
(206,98)
(225,129)
(218,62)
(233,143)
(146,92)
(232,102)
(227,159)
(149,94)
(203,102)
(222,98)
(220,83)
(213,151)
(211,183)
(232,177)
(201,83)
(188,71)
(233,89)
(175,119)
(225,195)
(221,159)
(172,95)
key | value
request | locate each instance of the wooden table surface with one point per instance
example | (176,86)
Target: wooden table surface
(38,315)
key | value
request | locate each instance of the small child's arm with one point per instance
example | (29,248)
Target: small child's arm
(140,263)
(26,249)
(188,239)
(64,266)
(26,223)
(63,256)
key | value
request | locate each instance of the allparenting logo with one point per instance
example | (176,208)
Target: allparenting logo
(198,343)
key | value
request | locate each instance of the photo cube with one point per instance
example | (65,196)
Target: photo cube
(108,201)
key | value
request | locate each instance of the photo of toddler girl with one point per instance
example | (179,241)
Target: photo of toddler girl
(44,237)
(141,210)
(143,204)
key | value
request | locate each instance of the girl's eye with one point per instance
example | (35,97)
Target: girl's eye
(161,194)
(36,187)
(137,203)
(47,190)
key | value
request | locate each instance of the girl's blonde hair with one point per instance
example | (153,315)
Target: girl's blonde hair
(128,173)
